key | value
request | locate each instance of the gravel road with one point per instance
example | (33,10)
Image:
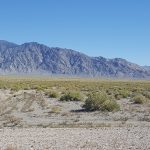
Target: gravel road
(134,138)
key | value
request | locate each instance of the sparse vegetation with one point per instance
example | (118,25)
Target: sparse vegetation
(147,94)
(121,88)
(72,96)
(55,109)
(28,98)
(52,94)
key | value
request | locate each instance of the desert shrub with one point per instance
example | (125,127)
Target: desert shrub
(139,99)
(109,92)
(38,88)
(121,94)
(117,96)
(15,88)
(110,105)
(71,96)
(100,101)
(55,109)
(146,94)
(52,94)
(124,93)
(137,89)
(27,88)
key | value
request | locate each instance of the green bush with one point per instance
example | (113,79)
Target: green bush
(117,96)
(16,88)
(139,99)
(52,94)
(110,105)
(38,88)
(121,94)
(71,96)
(100,101)
(124,93)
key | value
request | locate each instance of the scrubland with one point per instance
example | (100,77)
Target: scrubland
(32,102)
(73,102)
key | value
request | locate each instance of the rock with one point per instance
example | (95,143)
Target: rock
(35,58)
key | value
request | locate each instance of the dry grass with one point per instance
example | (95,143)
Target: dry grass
(55,109)
(76,84)
(11,147)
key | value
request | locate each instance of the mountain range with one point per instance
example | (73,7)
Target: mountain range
(37,58)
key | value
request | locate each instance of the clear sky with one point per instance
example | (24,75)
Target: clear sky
(109,28)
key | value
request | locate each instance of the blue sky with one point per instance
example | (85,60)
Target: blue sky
(109,28)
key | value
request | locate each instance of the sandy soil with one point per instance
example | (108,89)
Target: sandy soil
(76,139)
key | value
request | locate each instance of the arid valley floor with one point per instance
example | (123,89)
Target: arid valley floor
(60,113)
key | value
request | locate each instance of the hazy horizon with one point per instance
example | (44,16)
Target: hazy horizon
(111,29)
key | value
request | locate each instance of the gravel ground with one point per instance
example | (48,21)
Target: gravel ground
(134,138)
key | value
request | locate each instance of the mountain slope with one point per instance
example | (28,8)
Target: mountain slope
(37,58)
(147,67)
(5,45)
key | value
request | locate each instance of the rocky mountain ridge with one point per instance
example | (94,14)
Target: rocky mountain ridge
(37,58)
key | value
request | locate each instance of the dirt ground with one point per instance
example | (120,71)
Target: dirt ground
(33,109)
(76,138)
